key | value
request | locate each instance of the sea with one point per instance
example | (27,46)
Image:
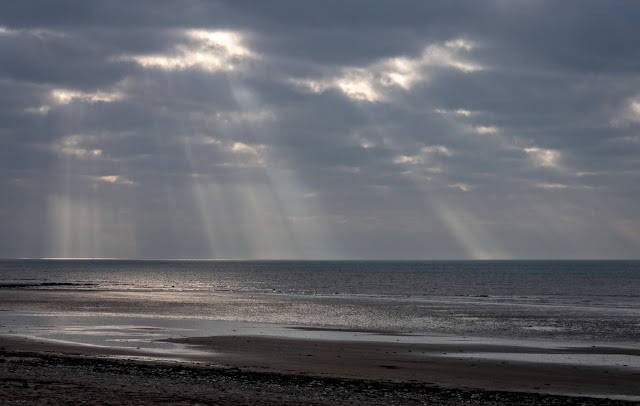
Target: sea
(549,301)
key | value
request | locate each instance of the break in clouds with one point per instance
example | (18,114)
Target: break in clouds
(335,129)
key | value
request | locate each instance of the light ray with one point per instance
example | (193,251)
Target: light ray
(474,239)
(85,216)
(247,102)
(478,243)
(251,215)
(203,204)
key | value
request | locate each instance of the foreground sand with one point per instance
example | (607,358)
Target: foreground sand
(278,371)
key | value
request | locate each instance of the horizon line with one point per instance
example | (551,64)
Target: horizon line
(314,259)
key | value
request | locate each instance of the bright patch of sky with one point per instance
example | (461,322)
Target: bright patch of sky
(211,51)
(374,82)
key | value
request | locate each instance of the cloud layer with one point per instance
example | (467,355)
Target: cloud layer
(431,130)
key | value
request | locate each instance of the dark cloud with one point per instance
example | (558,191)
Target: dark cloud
(357,129)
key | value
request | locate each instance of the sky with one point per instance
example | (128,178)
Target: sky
(349,129)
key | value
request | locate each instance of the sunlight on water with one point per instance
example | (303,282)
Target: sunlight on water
(571,300)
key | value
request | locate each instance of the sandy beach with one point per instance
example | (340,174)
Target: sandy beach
(235,370)
(149,345)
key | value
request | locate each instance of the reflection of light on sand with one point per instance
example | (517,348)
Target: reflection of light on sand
(608,360)
(162,351)
(186,358)
(544,328)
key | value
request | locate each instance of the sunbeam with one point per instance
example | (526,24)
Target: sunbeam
(424,173)
(241,133)
(89,208)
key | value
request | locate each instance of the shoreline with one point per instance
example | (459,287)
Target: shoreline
(146,347)
(368,372)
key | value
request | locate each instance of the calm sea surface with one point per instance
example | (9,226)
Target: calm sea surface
(560,300)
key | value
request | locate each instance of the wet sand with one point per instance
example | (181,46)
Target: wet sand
(443,365)
(272,370)
(234,363)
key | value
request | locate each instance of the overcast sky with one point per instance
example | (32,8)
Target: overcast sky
(356,129)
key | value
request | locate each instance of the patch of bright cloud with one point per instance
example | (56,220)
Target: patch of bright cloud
(480,129)
(552,186)
(581,174)
(407,159)
(115,179)
(459,44)
(457,112)
(366,144)
(247,155)
(460,186)
(211,51)
(242,148)
(436,149)
(65,96)
(372,83)
(363,141)
(239,153)
(424,155)
(630,113)
(548,158)
(74,145)
(561,186)
(34,32)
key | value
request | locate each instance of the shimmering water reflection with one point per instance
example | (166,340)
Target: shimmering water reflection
(581,301)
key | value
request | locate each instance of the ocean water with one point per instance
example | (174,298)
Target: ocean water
(573,301)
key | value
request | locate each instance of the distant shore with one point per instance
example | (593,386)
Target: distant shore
(271,370)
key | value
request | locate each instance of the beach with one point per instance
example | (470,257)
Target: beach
(328,203)
(258,370)
(100,335)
